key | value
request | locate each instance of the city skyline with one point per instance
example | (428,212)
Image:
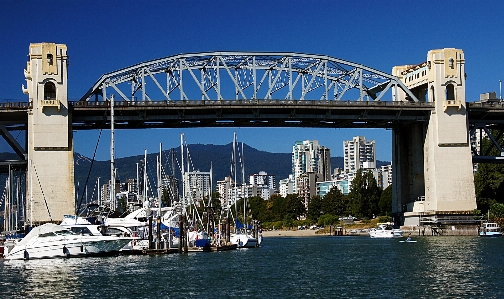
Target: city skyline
(118,36)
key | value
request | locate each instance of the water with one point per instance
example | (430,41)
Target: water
(307,267)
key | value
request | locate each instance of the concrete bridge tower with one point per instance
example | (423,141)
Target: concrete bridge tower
(51,190)
(432,162)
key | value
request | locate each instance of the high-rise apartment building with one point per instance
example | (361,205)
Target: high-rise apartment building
(286,186)
(385,176)
(262,184)
(310,157)
(196,186)
(359,153)
(230,192)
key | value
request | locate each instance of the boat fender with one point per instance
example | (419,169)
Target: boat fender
(66,252)
(26,255)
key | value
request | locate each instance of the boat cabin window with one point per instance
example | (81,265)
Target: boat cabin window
(81,230)
(113,232)
(49,234)
(63,232)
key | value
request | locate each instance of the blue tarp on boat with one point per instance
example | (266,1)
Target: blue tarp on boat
(174,229)
(239,225)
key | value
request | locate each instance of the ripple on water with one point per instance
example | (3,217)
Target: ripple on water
(313,267)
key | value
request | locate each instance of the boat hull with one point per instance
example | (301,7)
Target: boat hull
(65,248)
(244,241)
(55,241)
(490,235)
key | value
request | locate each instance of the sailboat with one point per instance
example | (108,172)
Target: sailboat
(241,237)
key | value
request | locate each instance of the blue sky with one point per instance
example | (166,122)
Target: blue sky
(103,36)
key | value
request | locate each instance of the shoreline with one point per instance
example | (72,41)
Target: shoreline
(292,233)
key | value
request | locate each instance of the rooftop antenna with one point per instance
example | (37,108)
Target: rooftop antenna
(500,90)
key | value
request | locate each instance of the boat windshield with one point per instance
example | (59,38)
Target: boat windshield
(81,230)
(63,232)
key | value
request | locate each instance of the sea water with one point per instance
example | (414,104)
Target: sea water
(288,267)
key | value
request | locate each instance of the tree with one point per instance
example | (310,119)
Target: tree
(385,203)
(327,219)
(216,203)
(489,179)
(257,207)
(278,208)
(497,213)
(295,206)
(314,208)
(488,183)
(334,203)
(364,195)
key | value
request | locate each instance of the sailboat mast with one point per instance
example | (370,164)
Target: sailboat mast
(31,194)
(6,204)
(243,185)
(99,193)
(137,184)
(234,173)
(112,156)
(160,179)
(11,198)
(210,192)
(145,178)
(183,172)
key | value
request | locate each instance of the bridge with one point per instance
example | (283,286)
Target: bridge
(423,104)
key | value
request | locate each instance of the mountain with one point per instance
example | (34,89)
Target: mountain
(201,157)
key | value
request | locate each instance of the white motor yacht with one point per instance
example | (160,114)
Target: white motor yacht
(490,229)
(55,241)
(385,230)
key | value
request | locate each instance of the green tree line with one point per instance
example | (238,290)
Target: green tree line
(364,201)
(489,181)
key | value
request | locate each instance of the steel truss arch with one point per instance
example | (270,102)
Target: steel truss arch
(217,76)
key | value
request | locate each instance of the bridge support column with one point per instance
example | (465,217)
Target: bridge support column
(50,187)
(448,178)
(407,167)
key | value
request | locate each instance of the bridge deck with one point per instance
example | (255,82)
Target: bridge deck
(249,113)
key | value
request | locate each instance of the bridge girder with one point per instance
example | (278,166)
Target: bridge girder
(217,76)
(248,113)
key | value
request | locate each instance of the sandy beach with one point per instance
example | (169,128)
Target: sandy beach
(291,233)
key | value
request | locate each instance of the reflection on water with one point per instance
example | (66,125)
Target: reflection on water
(43,278)
(313,267)
(451,262)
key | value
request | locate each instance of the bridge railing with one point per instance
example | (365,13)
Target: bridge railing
(497,105)
(15,105)
(273,102)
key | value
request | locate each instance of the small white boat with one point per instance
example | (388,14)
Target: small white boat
(385,230)
(55,241)
(243,240)
(490,229)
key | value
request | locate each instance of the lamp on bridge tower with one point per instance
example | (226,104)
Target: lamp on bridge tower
(50,144)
